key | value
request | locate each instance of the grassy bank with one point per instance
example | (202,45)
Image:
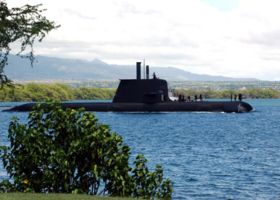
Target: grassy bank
(31,196)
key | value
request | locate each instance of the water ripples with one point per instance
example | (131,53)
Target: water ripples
(207,155)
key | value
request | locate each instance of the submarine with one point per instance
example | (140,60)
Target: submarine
(149,95)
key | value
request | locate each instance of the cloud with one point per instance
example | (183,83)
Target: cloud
(223,5)
(79,14)
(127,8)
(269,39)
(237,38)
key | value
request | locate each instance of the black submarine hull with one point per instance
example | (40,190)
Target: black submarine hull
(203,106)
(150,95)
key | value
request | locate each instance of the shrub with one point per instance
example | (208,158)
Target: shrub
(66,151)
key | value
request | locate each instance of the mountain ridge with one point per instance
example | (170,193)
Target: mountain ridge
(53,68)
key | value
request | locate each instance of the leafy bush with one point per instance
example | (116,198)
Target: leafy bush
(23,25)
(69,151)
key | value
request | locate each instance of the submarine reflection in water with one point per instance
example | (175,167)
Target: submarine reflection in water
(149,95)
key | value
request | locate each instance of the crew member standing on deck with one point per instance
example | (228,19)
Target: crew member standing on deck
(240,97)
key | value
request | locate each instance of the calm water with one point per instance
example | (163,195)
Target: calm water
(207,155)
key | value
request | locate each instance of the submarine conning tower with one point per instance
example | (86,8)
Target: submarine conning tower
(144,90)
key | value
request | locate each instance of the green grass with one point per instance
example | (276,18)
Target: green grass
(33,196)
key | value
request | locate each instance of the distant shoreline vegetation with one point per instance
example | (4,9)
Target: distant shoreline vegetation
(55,91)
(63,92)
(253,93)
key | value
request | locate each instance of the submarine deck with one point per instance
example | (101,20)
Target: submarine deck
(198,106)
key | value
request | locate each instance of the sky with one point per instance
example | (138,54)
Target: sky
(236,38)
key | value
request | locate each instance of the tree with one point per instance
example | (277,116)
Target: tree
(69,151)
(25,25)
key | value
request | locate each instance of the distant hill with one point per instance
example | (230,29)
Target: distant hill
(51,68)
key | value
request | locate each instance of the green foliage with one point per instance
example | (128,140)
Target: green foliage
(68,151)
(93,93)
(24,24)
(53,196)
(40,92)
(150,184)
(225,94)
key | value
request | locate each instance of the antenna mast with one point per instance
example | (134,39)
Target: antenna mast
(144,69)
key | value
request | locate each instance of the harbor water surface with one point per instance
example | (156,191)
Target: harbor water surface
(206,155)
